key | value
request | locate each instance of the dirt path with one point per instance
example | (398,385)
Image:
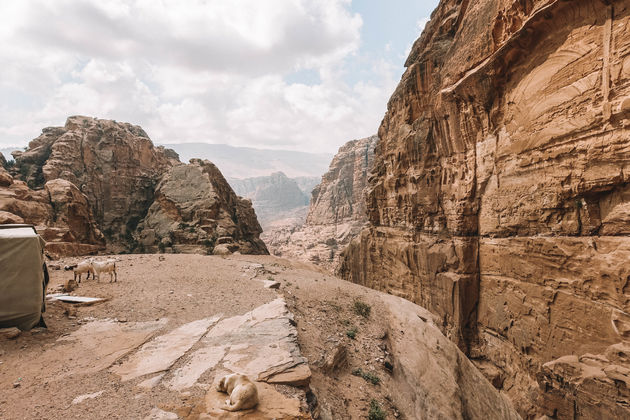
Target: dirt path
(64,371)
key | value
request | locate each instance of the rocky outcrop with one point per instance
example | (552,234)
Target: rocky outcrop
(273,197)
(337,212)
(501,192)
(195,210)
(112,171)
(91,153)
(60,212)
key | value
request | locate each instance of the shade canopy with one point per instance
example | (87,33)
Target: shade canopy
(22,283)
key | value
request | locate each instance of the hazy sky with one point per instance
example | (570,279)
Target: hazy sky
(291,74)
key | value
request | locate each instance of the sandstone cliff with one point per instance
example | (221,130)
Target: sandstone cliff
(196,210)
(501,195)
(60,212)
(97,175)
(114,164)
(337,212)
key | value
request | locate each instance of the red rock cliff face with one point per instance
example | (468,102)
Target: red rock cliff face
(501,196)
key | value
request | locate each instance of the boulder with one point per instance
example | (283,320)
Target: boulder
(196,210)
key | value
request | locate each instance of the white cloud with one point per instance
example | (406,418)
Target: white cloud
(200,70)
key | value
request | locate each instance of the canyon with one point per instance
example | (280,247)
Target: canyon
(500,197)
(336,213)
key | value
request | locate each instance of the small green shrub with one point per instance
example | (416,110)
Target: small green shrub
(361,308)
(352,333)
(368,376)
(376,412)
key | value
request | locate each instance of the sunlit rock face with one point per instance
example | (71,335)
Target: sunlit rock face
(500,198)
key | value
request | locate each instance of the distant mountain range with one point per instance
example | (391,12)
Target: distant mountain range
(276,196)
(247,162)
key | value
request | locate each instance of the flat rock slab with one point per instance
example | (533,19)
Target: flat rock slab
(261,344)
(75,299)
(162,352)
(97,345)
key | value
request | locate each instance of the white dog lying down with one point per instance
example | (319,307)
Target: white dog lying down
(243,393)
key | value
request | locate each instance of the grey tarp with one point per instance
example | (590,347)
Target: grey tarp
(21,276)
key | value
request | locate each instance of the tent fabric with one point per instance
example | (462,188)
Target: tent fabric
(22,285)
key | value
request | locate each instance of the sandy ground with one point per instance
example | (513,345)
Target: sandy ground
(40,379)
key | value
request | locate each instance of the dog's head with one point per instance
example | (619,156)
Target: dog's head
(221,386)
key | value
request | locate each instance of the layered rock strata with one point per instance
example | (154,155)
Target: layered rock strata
(337,212)
(500,198)
(115,173)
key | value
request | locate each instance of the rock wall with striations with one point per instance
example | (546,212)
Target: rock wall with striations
(121,179)
(500,198)
(337,212)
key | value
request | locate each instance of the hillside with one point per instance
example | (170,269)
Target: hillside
(172,325)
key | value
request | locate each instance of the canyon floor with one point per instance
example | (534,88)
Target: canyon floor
(172,324)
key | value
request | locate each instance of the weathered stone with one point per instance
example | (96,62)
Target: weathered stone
(500,193)
(196,210)
(9,333)
(122,178)
(60,212)
(335,359)
(336,214)
(114,164)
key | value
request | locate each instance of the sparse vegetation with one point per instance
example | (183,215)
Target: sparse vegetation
(368,376)
(362,308)
(352,333)
(376,412)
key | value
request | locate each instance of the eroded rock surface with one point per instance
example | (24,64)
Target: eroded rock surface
(337,212)
(114,164)
(60,212)
(500,194)
(195,210)
(94,176)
